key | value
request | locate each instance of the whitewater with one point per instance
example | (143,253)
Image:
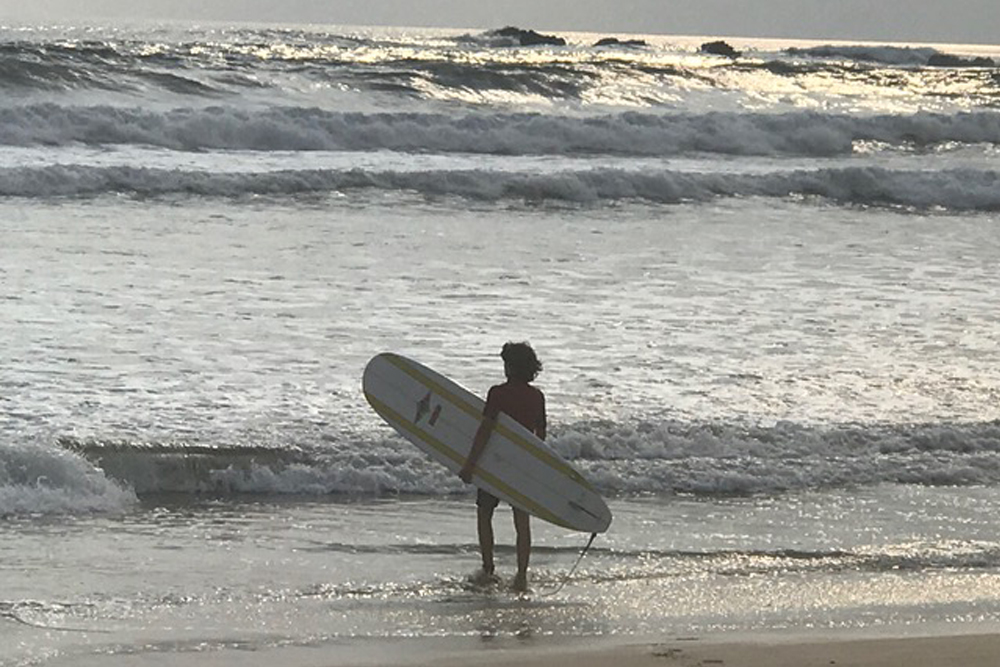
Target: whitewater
(763,289)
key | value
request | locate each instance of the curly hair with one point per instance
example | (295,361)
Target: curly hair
(520,361)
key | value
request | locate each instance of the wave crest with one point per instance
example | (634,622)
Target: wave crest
(889,55)
(44,480)
(631,133)
(637,458)
(954,190)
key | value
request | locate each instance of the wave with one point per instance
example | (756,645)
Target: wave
(309,129)
(36,479)
(952,190)
(720,459)
(708,459)
(424,69)
(127,67)
(883,54)
(381,69)
(647,457)
(889,55)
(371,467)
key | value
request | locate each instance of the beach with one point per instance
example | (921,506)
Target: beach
(780,651)
(763,289)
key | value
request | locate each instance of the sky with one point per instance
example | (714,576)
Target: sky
(949,21)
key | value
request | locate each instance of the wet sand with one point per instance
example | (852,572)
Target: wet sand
(973,650)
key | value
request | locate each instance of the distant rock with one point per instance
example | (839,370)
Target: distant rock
(529,37)
(614,41)
(946,60)
(720,48)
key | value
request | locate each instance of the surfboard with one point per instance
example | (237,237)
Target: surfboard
(441,418)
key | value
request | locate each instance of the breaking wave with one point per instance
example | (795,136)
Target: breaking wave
(899,56)
(874,53)
(37,479)
(645,457)
(82,476)
(954,190)
(632,133)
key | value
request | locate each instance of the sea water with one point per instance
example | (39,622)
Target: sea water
(764,290)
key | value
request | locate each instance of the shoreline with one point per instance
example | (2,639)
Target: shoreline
(974,648)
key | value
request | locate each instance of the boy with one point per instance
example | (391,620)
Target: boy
(526,405)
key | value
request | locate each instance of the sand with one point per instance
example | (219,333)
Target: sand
(979,650)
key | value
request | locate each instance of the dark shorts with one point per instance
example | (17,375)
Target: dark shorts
(486,500)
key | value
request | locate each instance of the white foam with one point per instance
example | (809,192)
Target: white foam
(39,479)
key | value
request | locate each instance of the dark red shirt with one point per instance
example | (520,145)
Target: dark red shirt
(524,403)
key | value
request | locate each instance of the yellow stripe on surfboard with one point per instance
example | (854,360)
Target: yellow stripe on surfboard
(530,505)
(468,408)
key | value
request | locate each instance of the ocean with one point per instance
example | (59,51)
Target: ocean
(764,290)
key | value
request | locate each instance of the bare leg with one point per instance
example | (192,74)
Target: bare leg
(522,526)
(485,526)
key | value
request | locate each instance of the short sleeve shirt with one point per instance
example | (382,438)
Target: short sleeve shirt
(522,402)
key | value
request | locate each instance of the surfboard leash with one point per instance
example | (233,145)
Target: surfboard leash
(569,574)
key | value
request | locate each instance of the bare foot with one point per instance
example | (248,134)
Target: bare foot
(520,583)
(482,577)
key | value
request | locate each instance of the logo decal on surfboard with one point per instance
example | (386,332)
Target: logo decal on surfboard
(423,407)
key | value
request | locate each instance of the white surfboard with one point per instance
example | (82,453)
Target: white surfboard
(441,418)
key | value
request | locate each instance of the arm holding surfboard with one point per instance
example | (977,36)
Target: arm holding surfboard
(478,445)
(524,403)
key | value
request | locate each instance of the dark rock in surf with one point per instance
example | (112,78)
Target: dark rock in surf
(720,48)
(529,37)
(614,41)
